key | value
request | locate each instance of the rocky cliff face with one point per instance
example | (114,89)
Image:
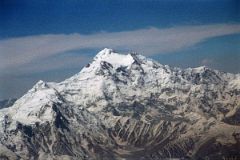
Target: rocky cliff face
(126,107)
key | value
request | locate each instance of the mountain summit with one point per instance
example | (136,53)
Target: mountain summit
(126,107)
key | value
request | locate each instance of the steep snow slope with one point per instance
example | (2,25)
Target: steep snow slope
(126,106)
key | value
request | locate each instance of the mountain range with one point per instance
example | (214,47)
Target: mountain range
(126,106)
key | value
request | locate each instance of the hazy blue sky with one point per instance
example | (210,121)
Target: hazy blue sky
(52,40)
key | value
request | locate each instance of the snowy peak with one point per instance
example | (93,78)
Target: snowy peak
(115,59)
(39,85)
(103,53)
(107,62)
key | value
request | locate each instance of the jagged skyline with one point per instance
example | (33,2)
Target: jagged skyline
(131,109)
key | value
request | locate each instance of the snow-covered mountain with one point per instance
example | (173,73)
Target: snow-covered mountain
(126,107)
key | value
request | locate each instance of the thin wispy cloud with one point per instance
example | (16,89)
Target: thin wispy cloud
(24,51)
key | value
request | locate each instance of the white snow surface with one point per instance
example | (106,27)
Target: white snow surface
(115,59)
